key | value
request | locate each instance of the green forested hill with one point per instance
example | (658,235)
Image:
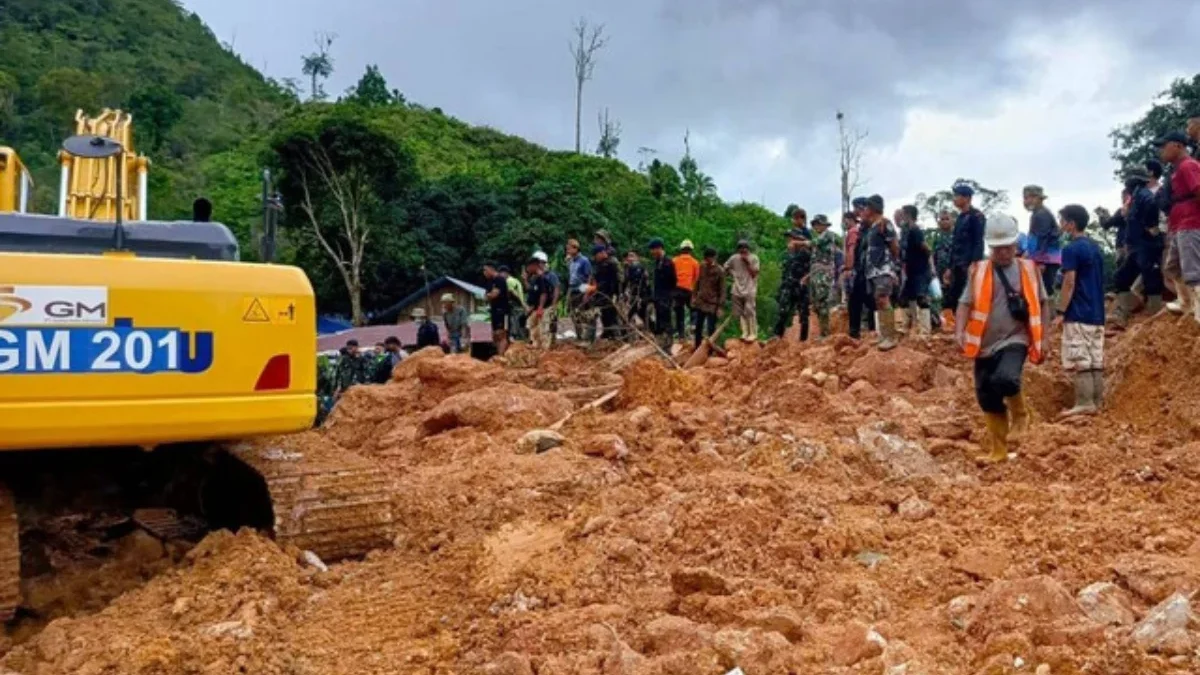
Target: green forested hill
(453,195)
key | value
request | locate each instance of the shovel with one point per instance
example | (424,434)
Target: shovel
(700,356)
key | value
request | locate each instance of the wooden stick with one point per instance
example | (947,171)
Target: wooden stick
(700,356)
(590,406)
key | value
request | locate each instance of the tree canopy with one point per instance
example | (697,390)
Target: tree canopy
(1133,143)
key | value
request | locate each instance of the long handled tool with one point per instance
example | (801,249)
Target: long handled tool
(700,356)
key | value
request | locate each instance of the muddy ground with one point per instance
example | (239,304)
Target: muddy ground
(790,509)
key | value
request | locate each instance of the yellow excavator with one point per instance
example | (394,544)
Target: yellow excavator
(120,335)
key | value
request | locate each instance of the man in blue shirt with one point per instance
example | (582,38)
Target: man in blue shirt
(967,243)
(579,275)
(1082,309)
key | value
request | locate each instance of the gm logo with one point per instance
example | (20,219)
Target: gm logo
(53,305)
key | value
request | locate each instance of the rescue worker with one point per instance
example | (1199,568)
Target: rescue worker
(687,268)
(352,368)
(967,246)
(793,294)
(604,289)
(918,274)
(539,297)
(458,325)
(635,288)
(822,272)
(579,275)
(709,296)
(427,333)
(943,246)
(390,356)
(664,279)
(1143,244)
(744,266)
(499,298)
(856,266)
(882,269)
(1001,322)
(1081,310)
(552,282)
(518,310)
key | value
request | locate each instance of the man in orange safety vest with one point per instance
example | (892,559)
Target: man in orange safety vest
(1003,320)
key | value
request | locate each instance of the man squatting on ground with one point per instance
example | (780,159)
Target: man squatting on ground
(1000,324)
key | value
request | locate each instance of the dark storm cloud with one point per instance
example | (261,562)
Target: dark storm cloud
(731,71)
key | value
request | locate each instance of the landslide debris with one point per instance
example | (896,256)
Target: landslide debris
(785,509)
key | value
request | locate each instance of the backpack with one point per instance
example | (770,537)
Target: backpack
(427,335)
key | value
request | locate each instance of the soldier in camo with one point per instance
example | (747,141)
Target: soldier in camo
(942,245)
(352,368)
(823,272)
(326,373)
(793,294)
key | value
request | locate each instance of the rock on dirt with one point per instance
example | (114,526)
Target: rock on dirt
(608,446)
(698,580)
(539,441)
(1022,606)
(985,563)
(1107,604)
(1154,578)
(900,368)
(496,408)
(915,509)
(1164,629)
(855,643)
(898,457)
(509,663)
(668,634)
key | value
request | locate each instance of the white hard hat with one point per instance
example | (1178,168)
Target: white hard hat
(1001,230)
(447,297)
(686,244)
(540,256)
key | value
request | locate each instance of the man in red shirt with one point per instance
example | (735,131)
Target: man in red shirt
(1183,221)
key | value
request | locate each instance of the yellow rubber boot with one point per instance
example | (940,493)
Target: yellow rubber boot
(1018,416)
(995,444)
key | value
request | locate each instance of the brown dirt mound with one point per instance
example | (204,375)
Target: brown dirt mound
(1152,375)
(648,382)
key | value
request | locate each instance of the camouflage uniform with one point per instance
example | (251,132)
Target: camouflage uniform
(326,373)
(352,370)
(942,246)
(821,279)
(793,294)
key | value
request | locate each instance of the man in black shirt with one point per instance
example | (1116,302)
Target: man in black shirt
(1144,248)
(539,295)
(606,283)
(918,273)
(499,306)
(635,288)
(860,295)
(967,247)
(664,281)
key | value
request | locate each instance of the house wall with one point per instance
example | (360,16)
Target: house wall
(463,298)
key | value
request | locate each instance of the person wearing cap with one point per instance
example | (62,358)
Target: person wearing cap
(1182,263)
(1143,248)
(687,270)
(744,267)
(555,285)
(709,296)
(943,247)
(1044,235)
(603,236)
(1081,312)
(579,276)
(861,306)
(603,290)
(914,259)
(1002,321)
(539,297)
(635,288)
(792,296)
(967,244)
(882,269)
(822,272)
(499,297)
(662,292)
(427,332)
(352,368)
(458,324)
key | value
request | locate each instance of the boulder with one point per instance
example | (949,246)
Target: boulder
(409,367)
(856,642)
(753,651)
(898,457)
(608,446)
(539,441)
(915,509)
(891,371)
(454,370)
(1022,605)
(668,634)
(1105,603)
(698,580)
(1164,629)
(495,409)
(1154,578)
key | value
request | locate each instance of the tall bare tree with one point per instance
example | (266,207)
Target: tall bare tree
(319,64)
(610,135)
(587,41)
(850,150)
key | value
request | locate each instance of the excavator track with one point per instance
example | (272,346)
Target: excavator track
(10,555)
(327,500)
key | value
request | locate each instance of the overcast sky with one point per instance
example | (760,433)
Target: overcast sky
(1007,93)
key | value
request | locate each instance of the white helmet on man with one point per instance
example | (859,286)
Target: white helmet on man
(540,256)
(1002,230)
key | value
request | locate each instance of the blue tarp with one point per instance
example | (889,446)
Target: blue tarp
(327,325)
